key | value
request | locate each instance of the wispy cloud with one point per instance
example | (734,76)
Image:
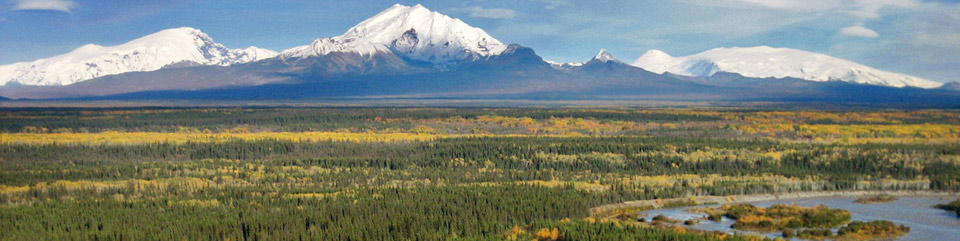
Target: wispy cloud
(66,6)
(553,4)
(864,9)
(921,41)
(480,12)
(796,5)
(859,31)
(859,11)
(870,9)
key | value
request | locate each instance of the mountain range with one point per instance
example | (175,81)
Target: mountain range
(764,61)
(167,48)
(413,52)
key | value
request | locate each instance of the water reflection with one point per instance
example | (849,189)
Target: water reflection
(925,222)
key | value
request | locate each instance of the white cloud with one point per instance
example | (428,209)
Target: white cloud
(480,12)
(859,31)
(868,9)
(796,5)
(855,11)
(922,41)
(45,5)
(863,9)
(553,4)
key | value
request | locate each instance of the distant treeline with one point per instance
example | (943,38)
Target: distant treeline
(842,166)
(290,119)
(359,119)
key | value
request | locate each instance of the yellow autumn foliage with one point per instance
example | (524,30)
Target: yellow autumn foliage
(199,203)
(137,186)
(318,195)
(548,234)
(857,133)
(515,232)
(113,137)
(585,186)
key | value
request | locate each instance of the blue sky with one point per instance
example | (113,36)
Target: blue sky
(916,37)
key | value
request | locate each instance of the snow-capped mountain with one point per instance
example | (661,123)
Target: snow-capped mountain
(152,52)
(605,56)
(415,33)
(559,65)
(602,57)
(412,51)
(764,61)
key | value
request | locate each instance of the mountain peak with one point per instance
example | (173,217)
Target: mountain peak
(188,30)
(147,53)
(656,61)
(605,56)
(397,5)
(413,32)
(766,61)
(186,36)
(656,53)
(181,32)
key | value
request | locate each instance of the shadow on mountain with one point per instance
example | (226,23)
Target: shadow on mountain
(518,73)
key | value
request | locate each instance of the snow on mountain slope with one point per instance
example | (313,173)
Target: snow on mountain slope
(605,56)
(764,61)
(148,53)
(251,54)
(412,32)
(561,65)
(602,57)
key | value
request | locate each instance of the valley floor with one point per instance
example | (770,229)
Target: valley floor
(220,173)
(750,198)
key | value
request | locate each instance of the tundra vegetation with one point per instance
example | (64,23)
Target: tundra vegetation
(856,230)
(437,173)
(814,223)
(875,199)
(951,206)
(780,217)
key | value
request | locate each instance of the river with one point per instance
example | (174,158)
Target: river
(925,222)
